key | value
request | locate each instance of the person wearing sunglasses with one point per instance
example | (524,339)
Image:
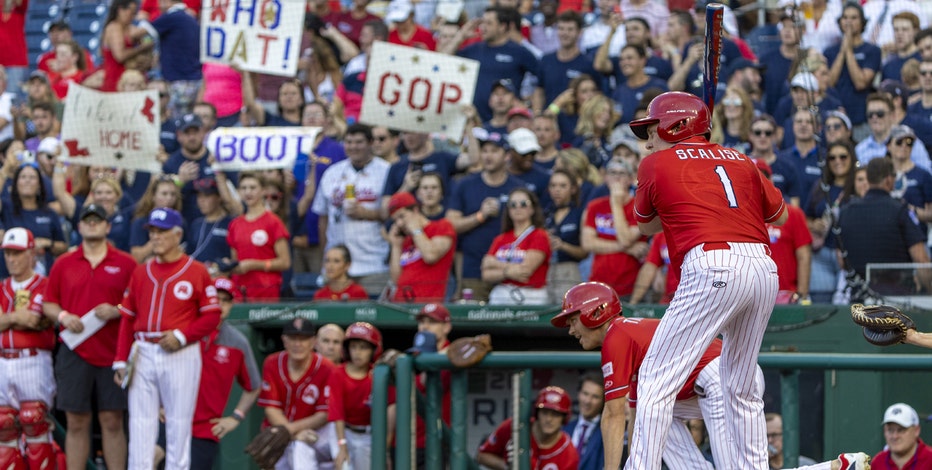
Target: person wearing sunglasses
(837,128)
(913,184)
(518,260)
(764,133)
(881,120)
(805,92)
(731,120)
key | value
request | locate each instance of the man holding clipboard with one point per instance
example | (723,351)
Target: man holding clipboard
(85,287)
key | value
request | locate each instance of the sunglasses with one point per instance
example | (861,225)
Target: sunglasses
(517,204)
(876,114)
(762,132)
(380,138)
(834,127)
(925,73)
(908,141)
(731,101)
(838,156)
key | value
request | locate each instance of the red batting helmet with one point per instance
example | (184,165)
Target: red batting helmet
(554,398)
(595,302)
(366,332)
(678,116)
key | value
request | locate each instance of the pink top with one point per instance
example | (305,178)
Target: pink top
(223,88)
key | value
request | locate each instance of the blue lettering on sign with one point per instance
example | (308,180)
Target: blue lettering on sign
(254,148)
(281,143)
(241,8)
(216,42)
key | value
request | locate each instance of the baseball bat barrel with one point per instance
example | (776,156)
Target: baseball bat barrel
(714,16)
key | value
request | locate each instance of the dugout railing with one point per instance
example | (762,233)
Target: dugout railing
(461,458)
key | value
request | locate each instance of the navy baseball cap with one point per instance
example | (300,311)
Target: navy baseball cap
(506,84)
(188,121)
(300,327)
(424,342)
(164,218)
(497,138)
(94,209)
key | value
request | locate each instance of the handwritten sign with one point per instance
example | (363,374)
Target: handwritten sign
(111,129)
(416,90)
(260,35)
(260,148)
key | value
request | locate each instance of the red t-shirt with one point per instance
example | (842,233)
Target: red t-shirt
(222,363)
(784,240)
(256,240)
(46,66)
(352,292)
(704,192)
(623,350)
(350,26)
(618,270)
(60,85)
(350,399)
(29,296)
(300,398)
(659,255)
(421,39)
(561,455)
(420,282)
(68,287)
(503,249)
(168,296)
(12,35)
(921,459)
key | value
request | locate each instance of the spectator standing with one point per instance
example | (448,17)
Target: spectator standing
(421,252)
(548,137)
(120,41)
(59,32)
(563,219)
(289,101)
(913,184)
(422,157)
(206,241)
(545,30)
(905,448)
(853,64)
(73,66)
(764,132)
(179,54)
(85,371)
(338,285)
(879,29)
(558,68)
(406,32)
(805,154)
(430,194)
(13,36)
(351,22)
(607,27)
(222,86)
(330,342)
(7,122)
(162,193)
(28,207)
(192,161)
(922,108)
(779,62)
(731,120)
(521,163)
(632,64)
(586,430)
(568,105)
(903,47)
(881,120)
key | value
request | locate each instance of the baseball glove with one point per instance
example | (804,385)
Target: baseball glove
(269,446)
(467,352)
(884,325)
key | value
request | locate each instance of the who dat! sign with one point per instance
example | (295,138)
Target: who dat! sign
(259,35)
(416,90)
(260,148)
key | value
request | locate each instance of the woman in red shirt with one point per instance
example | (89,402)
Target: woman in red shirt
(119,39)
(259,242)
(519,258)
(339,286)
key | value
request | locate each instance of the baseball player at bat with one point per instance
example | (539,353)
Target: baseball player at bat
(593,314)
(711,203)
(169,305)
(27,383)
(85,371)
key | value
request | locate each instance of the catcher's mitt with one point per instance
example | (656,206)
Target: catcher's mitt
(467,352)
(884,325)
(269,446)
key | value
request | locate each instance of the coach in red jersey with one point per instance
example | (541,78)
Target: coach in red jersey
(295,395)
(169,305)
(27,384)
(90,281)
(712,204)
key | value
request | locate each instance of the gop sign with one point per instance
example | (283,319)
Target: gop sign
(260,148)
(416,90)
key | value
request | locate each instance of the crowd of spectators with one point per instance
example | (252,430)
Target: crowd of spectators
(536,195)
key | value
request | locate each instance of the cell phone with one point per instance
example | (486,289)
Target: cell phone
(417,166)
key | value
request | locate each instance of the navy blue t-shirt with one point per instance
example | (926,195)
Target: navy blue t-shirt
(443,163)
(207,241)
(567,124)
(43,223)
(775,78)
(730,53)
(274,120)
(555,76)
(656,67)
(786,178)
(467,198)
(629,98)
(189,209)
(168,138)
(868,57)
(537,181)
(807,168)
(179,45)
(46,181)
(508,61)
(568,230)
(892,68)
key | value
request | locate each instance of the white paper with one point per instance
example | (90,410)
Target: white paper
(92,324)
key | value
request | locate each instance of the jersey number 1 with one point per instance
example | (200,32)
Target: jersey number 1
(726,185)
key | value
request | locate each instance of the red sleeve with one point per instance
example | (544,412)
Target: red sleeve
(270,396)
(279,231)
(538,240)
(323,403)
(357,292)
(773,203)
(617,364)
(496,243)
(127,318)
(498,440)
(36,296)
(208,308)
(644,209)
(336,413)
(231,229)
(590,216)
(653,254)
(798,228)
(53,289)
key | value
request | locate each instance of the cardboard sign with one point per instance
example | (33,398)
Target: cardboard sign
(416,90)
(260,148)
(259,35)
(111,129)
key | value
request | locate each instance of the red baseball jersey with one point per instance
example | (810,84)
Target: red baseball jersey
(559,456)
(300,398)
(921,459)
(352,292)
(256,240)
(659,255)
(420,282)
(68,285)
(350,398)
(26,295)
(421,39)
(503,249)
(225,357)
(623,350)
(618,270)
(784,241)
(168,296)
(704,192)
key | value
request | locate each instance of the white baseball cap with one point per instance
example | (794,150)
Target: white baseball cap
(48,145)
(523,141)
(398,11)
(805,80)
(18,238)
(902,414)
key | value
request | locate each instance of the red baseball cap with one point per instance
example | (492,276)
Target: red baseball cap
(519,111)
(436,311)
(19,238)
(224,284)
(401,200)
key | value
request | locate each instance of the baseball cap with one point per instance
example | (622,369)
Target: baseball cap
(299,327)
(504,83)
(48,145)
(763,167)
(523,141)
(424,342)
(436,311)
(400,200)
(622,135)
(900,131)
(188,121)
(38,75)
(902,414)
(840,115)
(206,186)
(805,80)
(519,111)
(483,136)
(619,164)
(895,88)
(164,218)
(398,11)
(94,209)
(18,238)
(224,284)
